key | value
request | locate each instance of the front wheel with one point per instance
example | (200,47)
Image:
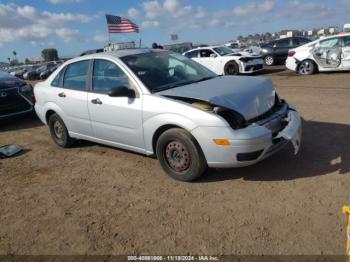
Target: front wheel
(307,67)
(180,156)
(231,68)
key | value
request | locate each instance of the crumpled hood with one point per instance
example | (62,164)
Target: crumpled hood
(249,96)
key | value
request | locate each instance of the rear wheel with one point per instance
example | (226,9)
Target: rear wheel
(307,67)
(269,60)
(180,156)
(59,132)
(231,68)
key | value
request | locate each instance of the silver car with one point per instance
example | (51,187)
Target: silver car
(155,102)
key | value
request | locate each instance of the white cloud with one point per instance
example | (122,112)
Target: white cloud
(133,13)
(152,9)
(25,23)
(254,8)
(150,24)
(55,2)
(100,37)
(69,35)
(200,13)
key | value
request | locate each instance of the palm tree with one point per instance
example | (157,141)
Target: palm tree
(9,59)
(14,55)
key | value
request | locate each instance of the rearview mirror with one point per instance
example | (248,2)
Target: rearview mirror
(121,91)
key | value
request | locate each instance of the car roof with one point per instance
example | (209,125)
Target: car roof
(124,52)
(205,47)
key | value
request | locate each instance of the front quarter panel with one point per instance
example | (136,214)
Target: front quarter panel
(161,111)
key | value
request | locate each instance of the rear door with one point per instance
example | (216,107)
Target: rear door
(71,97)
(114,119)
(346,53)
(282,47)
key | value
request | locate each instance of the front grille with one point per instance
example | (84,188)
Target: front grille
(253,67)
(13,103)
(249,156)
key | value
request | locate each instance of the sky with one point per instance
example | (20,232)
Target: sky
(73,26)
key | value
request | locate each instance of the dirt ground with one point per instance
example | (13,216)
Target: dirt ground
(93,199)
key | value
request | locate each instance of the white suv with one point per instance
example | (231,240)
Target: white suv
(326,54)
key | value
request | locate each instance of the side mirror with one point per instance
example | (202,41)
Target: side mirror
(274,46)
(213,55)
(122,91)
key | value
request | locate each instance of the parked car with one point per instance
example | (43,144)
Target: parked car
(222,61)
(16,96)
(235,47)
(162,103)
(326,54)
(45,74)
(277,51)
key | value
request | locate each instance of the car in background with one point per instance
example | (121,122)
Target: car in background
(45,74)
(157,102)
(16,96)
(326,54)
(276,51)
(223,61)
(235,47)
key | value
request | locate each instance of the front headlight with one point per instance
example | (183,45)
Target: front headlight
(264,50)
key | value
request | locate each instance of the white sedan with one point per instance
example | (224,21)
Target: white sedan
(326,54)
(159,103)
(222,61)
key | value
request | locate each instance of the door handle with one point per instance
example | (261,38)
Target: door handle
(62,94)
(96,101)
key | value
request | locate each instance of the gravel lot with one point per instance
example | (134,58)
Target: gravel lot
(93,199)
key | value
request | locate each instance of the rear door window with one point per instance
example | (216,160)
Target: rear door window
(75,76)
(193,54)
(283,43)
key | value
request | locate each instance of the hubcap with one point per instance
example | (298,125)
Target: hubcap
(177,156)
(305,68)
(269,60)
(58,130)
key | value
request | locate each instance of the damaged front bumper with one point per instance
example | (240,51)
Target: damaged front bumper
(251,144)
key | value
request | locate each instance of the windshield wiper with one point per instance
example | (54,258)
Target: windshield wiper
(203,79)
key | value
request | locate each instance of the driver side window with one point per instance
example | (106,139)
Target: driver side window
(205,53)
(106,76)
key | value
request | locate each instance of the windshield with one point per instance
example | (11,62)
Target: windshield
(223,51)
(164,70)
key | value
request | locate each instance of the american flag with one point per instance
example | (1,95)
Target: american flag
(117,24)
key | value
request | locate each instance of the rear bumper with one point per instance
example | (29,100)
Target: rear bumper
(249,145)
(291,63)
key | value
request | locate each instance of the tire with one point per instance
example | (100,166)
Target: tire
(231,68)
(59,132)
(180,155)
(307,67)
(269,60)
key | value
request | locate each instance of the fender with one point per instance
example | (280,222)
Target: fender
(54,107)
(151,125)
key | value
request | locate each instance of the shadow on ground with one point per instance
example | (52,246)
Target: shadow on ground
(20,122)
(325,149)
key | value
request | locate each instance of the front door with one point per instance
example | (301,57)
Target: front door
(71,97)
(114,119)
(208,59)
(328,53)
(346,53)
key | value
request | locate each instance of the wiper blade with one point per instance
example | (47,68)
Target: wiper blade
(203,79)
